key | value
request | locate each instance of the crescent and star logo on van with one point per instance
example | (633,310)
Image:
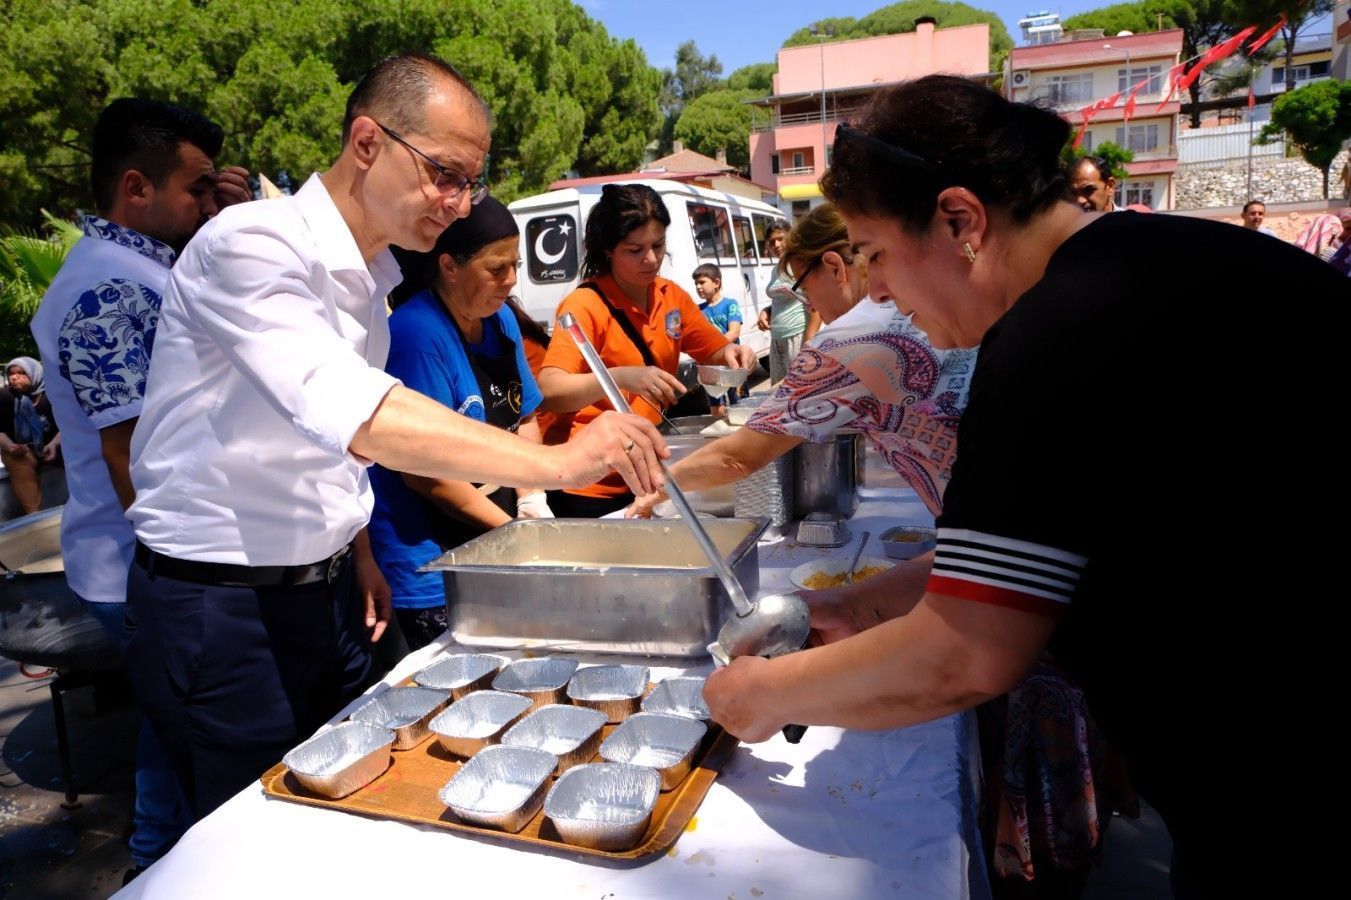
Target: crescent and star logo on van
(552,245)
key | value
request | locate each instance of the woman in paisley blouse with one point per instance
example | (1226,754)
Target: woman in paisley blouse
(869,369)
(28,436)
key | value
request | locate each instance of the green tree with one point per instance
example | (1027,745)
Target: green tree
(28,263)
(899,18)
(1297,14)
(1114,155)
(1317,120)
(755,77)
(693,76)
(564,94)
(719,120)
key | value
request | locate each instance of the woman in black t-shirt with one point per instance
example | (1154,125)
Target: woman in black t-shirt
(1093,507)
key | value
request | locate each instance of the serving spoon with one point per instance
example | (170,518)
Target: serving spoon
(773,625)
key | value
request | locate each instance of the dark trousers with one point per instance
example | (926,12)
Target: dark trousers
(232,678)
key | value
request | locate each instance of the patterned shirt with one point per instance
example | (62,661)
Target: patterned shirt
(874,371)
(106,338)
(94,329)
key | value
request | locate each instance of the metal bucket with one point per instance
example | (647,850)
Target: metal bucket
(41,622)
(827,476)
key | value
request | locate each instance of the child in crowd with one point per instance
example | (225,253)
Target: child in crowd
(723,312)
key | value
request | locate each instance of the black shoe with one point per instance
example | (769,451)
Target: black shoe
(131,874)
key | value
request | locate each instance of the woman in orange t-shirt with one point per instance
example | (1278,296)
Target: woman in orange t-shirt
(639,323)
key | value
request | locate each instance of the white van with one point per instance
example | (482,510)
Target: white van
(706,227)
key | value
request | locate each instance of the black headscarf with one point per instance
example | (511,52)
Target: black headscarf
(487,222)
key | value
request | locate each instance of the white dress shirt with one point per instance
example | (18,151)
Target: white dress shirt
(94,329)
(268,358)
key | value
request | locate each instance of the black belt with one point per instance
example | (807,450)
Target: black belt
(230,575)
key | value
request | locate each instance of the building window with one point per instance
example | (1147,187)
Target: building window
(800,209)
(1064,89)
(1087,145)
(798,160)
(1127,80)
(1130,192)
(1302,73)
(1141,139)
(774,164)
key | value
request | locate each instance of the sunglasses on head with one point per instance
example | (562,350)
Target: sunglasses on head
(846,134)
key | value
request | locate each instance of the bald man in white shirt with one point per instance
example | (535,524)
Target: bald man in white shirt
(266,403)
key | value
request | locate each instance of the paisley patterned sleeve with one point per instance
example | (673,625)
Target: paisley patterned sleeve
(819,396)
(104,349)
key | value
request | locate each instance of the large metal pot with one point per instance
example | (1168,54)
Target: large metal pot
(827,476)
(41,622)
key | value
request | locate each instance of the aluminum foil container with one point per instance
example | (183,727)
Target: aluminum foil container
(683,696)
(605,806)
(469,725)
(341,760)
(743,410)
(543,680)
(404,711)
(614,690)
(907,541)
(722,377)
(462,673)
(571,733)
(656,740)
(501,787)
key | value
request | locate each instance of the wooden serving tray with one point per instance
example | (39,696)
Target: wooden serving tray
(408,789)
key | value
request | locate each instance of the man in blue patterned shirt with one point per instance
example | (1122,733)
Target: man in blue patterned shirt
(154,185)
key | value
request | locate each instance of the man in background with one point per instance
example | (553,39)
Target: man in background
(154,183)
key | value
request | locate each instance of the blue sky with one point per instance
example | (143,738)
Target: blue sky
(740,33)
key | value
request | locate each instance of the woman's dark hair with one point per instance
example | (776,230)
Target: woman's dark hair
(622,209)
(913,140)
(530,329)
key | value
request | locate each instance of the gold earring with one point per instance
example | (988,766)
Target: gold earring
(970,253)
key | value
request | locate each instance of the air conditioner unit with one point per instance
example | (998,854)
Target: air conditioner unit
(1022,78)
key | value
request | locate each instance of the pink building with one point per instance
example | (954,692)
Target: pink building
(1072,74)
(820,85)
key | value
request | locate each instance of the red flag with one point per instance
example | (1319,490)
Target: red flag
(1107,102)
(1173,73)
(1079,138)
(1086,114)
(1214,55)
(1129,109)
(1266,36)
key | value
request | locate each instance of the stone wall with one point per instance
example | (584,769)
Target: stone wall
(1273,180)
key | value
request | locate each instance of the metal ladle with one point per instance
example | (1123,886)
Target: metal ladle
(773,625)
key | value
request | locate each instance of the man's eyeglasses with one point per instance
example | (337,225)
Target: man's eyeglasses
(443,178)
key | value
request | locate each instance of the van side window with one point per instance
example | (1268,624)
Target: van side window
(712,232)
(551,248)
(763,224)
(745,238)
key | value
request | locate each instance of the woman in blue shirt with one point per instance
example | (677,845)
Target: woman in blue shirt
(456,340)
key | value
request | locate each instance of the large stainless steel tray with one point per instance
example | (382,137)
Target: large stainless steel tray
(596,585)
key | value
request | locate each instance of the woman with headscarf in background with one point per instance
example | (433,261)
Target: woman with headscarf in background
(28,435)
(456,340)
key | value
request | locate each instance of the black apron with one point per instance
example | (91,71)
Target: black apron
(499,384)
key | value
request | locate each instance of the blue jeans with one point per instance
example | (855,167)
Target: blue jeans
(161,814)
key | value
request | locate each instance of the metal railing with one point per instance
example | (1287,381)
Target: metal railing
(798,170)
(778,120)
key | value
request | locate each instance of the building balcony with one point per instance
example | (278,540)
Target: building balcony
(797,170)
(785,120)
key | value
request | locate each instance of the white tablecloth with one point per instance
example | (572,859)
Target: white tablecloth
(842,814)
